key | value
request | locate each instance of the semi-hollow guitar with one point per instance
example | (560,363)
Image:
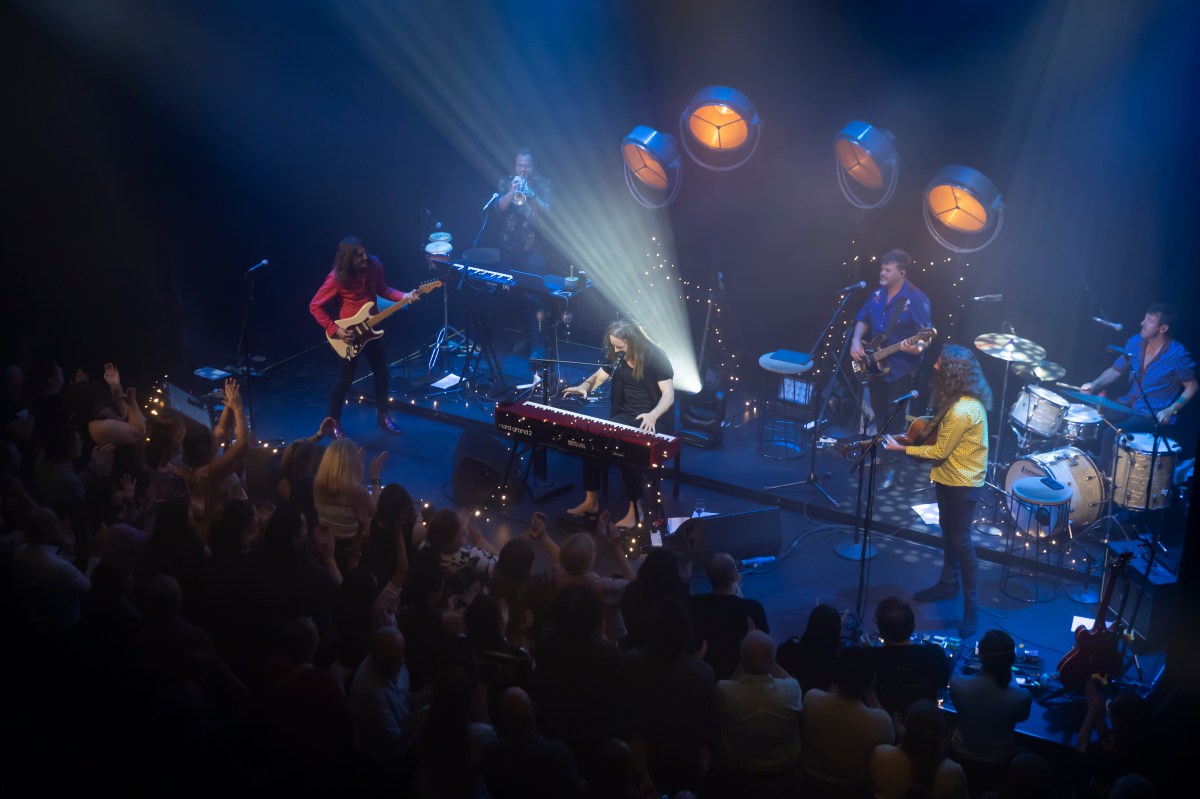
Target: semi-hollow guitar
(1098,650)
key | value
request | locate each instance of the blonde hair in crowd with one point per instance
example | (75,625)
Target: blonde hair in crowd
(341,467)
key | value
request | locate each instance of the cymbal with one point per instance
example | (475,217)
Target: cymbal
(440,235)
(1096,401)
(482,256)
(1046,370)
(1007,347)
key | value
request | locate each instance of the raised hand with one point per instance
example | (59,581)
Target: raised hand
(112,376)
(128,488)
(233,395)
(377,465)
(537,525)
(328,428)
(102,459)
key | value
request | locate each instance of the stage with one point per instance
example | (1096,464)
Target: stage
(816,557)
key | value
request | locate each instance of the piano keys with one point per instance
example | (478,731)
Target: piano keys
(567,431)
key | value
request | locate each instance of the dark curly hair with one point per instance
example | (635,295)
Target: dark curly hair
(959,374)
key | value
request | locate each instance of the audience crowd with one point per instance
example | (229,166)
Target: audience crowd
(168,629)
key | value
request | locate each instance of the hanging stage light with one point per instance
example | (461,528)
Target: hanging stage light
(963,209)
(652,161)
(723,126)
(866,156)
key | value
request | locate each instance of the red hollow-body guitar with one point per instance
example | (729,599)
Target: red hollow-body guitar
(1098,650)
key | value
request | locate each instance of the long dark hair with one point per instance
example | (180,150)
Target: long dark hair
(959,374)
(924,740)
(635,340)
(343,260)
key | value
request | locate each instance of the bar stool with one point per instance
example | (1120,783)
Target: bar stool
(1040,508)
(785,398)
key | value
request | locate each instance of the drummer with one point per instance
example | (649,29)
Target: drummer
(1167,373)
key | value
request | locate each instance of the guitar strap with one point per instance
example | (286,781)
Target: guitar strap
(894,318)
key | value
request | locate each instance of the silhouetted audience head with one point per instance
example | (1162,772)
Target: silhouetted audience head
(286,532)
(162,598)
(577,554)
(298,640)
(444,532)
(924,739)
(231,534)
(895,620)
(41,527)
(513,568)
(855,672)
(388,651)
(659,575)
(758,653)
(997,654)
(483,622)
(514,713)
(1028,776)
(721,571)
(824,625)
(1132,786)
(668,628)
(578,613)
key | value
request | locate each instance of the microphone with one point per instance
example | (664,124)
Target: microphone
(437,223)
(1113,348)
(611,368)
(488,204)
(862,284)
(1117,326)
(905,398)
(258,266)
(988,298)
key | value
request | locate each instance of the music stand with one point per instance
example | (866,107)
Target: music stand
(813,478)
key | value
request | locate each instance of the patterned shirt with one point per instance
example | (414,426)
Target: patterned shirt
(914,315)
(1163,378)
(960,451)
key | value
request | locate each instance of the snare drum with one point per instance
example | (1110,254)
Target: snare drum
(439,251)
(1069,466)
(1081,424)
(1039,411)
(1132,471)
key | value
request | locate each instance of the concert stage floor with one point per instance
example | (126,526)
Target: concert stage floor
(290,399)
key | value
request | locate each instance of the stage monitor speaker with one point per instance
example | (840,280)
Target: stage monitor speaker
(749,534)
(1158,596)
(479,464)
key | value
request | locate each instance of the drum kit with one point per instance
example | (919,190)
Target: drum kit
(1059,437)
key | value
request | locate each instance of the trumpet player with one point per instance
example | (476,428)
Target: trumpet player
(525,196)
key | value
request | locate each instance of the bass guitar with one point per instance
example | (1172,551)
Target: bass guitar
(869,367)
(363,325)
(1096,651)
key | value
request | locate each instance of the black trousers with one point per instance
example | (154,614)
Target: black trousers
(881,395)
(956,509)
(376,355)
(633,478)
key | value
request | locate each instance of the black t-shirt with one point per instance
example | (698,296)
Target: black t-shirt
(904,674)
(720,619)
(631,396)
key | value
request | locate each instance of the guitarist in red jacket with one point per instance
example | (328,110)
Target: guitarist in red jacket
(897,310)
(355,280)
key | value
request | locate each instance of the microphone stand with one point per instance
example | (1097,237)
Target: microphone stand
(1156,538)
(813,478)
(247,368)
(866,550)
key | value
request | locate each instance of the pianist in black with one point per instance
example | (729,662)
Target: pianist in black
(643,395)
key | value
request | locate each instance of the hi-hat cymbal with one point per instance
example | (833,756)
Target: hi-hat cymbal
(1046,370)
(440,235)
(1007,347)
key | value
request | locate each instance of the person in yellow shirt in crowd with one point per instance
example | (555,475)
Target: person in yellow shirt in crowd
(960,452)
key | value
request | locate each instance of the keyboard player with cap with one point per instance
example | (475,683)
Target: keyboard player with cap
(643,395)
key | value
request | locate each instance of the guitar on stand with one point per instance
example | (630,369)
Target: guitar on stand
(869,367)
(363,325)
(1098,650)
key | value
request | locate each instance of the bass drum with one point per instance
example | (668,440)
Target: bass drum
(1074,469)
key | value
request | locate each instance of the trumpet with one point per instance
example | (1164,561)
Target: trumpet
(521,194)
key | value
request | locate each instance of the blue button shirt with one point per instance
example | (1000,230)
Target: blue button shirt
(1162,379)
(913,306)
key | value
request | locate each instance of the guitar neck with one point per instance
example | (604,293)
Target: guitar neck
(385,313)
(1101,621)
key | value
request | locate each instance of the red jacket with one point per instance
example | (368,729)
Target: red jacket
(361,289)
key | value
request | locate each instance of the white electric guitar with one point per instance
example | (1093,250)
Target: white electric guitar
(362,326)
